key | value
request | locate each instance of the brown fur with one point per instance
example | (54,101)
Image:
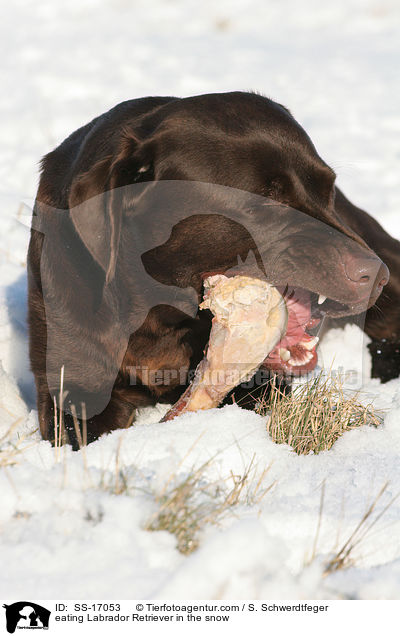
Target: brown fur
(99,323)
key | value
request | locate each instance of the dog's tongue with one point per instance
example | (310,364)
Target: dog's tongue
(298,303)
(299,309)
(295,353)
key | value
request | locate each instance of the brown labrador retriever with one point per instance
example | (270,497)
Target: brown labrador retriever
(137,207)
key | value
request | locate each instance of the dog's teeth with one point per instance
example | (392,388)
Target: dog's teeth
(321,299)
(310,344)
(285,354)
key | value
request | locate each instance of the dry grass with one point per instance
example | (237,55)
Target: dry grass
(120,480)
(343,557)
(187,505)
(188,502)
(314,415)
(10,449)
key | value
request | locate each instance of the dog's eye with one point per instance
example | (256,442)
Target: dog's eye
(130,172)
(144,173)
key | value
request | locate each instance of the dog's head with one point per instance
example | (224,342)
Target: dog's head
(242,141)
(219,183)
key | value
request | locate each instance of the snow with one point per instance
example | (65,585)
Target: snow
(64,531)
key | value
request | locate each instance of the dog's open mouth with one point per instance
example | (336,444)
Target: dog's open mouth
(296,352)
(255,324)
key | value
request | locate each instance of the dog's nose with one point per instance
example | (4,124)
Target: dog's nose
(368,273)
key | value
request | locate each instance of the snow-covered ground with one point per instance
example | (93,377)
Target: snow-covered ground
(64,533)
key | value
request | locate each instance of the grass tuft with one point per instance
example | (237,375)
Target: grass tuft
(187,505)
(314,415)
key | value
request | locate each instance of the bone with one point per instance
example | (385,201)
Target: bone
(250,318)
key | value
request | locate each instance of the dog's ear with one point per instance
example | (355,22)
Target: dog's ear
(97,200)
